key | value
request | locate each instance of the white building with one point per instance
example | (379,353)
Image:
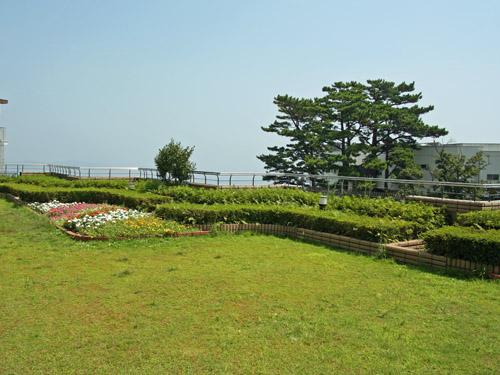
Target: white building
(3,140)
(427,155)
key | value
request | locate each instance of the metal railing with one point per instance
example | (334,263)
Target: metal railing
(324,182)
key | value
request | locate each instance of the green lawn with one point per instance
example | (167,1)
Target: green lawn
(230,304)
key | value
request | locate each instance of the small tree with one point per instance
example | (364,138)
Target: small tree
(458,168)
(173,162)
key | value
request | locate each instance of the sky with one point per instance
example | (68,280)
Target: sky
(110,82)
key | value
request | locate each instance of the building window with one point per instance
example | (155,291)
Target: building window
(492,177)
(424,166)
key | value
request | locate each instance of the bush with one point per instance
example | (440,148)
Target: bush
(482,219)
(173,162)
(421,213)
(336,222)
(131,199)
(424,214)
(53,181)
(481,246)
(186,194)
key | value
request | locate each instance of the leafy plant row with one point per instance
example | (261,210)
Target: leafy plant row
(198,195)
(380,207)
(128,198)
(387,207)
(482,246)
(336,222)
(53,181)
(489,219)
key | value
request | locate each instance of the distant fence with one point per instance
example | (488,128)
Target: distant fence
(330,183)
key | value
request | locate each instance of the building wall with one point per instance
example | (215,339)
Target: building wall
(427,155)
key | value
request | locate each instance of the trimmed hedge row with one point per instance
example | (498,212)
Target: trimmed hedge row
(336,222)
(421,213)
(131,199)
(199,195)
(381,207)
(481,246)
(488,219)
(54,181)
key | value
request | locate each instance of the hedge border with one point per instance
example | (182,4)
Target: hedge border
(406,252)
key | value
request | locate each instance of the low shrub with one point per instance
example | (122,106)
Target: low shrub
(187,194)
(481,246)
(147,226)
(336,222)
(128,198)
(54,181)
(489,219)
(422,213)
(428,215)
(150,192)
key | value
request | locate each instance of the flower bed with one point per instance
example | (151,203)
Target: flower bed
(104,221)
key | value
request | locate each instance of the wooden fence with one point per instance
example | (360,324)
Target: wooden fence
(457,205)
(409,252)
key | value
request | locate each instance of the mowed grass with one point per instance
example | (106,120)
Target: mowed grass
(230,304)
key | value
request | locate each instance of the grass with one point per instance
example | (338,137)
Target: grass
(230,304)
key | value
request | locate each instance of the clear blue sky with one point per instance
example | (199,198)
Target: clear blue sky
(109,82)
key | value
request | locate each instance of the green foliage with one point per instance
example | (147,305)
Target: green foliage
(309,138)
(152,186)
(481,246)
(487,219)
(239,196)
(151,192)
(403,164)
(274,306)
(128,198)
(173,162)
(380,207)
(458,168)
(378,119)
(426,215)
(135,228)
(348,224)
(393,121)
(53,181)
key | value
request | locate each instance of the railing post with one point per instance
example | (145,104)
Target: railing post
(230,178)
(253,180)
(109,174)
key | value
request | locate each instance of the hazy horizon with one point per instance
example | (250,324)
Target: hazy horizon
(108,83)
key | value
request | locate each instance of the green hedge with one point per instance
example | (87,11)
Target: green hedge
(380,207)
(427,215)
(489,219)
(131,199)
(53,181)
(199,195)
(421,213)
(347,224)
(482,246)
